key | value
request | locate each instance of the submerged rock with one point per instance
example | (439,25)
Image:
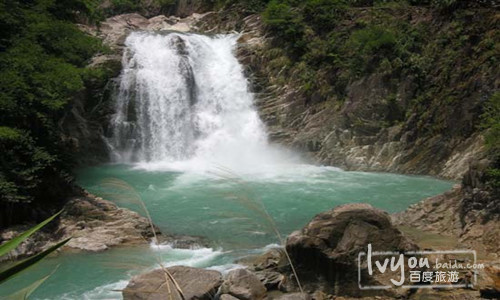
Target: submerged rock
(199,284)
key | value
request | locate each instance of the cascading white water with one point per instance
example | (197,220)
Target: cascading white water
(184,103)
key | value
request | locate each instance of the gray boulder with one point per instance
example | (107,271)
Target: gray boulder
(243,285)
(199,284)
(271,279)
(325,251)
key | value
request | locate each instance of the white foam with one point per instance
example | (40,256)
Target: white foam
(272,246)
(224,269)
(109,291)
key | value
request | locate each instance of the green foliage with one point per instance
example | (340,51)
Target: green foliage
(286,23)
(116,7)
(123,6)
(29,262)
(246,6)
(493,178)
(444,4)
(369,46)
(9,134)
(372,40)
(42,61)
(23,166)
(323,14)
(491,123)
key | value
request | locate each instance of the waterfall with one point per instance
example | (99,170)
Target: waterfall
(183,102)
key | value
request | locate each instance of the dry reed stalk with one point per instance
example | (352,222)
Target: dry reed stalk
(253,204)
(135,198)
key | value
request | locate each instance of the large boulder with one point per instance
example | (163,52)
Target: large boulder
(199,284)
(325,251)
(244,285)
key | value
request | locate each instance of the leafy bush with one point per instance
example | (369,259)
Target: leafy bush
(368,46)
(41,70)
(123,6)
(493,178)
(286,23)
(145,7)
(491,123)
(373,39)
(248,6)
(322,15)
(444,4)
(22,165)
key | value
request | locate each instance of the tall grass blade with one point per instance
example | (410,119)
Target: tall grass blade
(24,293)
(13,243)
(124,191)
(29,262)
(252,204)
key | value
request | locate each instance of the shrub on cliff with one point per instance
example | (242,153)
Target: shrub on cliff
(287,25)
(369,46)
(491,122)
(491,125)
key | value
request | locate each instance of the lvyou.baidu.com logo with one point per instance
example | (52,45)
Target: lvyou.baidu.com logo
(417,269)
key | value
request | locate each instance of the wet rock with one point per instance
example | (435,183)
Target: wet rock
(271,280)
(490,293)
(244,285)
(96,224)
(326,249)
(272,259)
(294,296)
(227,297)
(114,30)
(199,284)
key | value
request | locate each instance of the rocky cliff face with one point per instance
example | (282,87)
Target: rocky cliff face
(382,122)
(469,212)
